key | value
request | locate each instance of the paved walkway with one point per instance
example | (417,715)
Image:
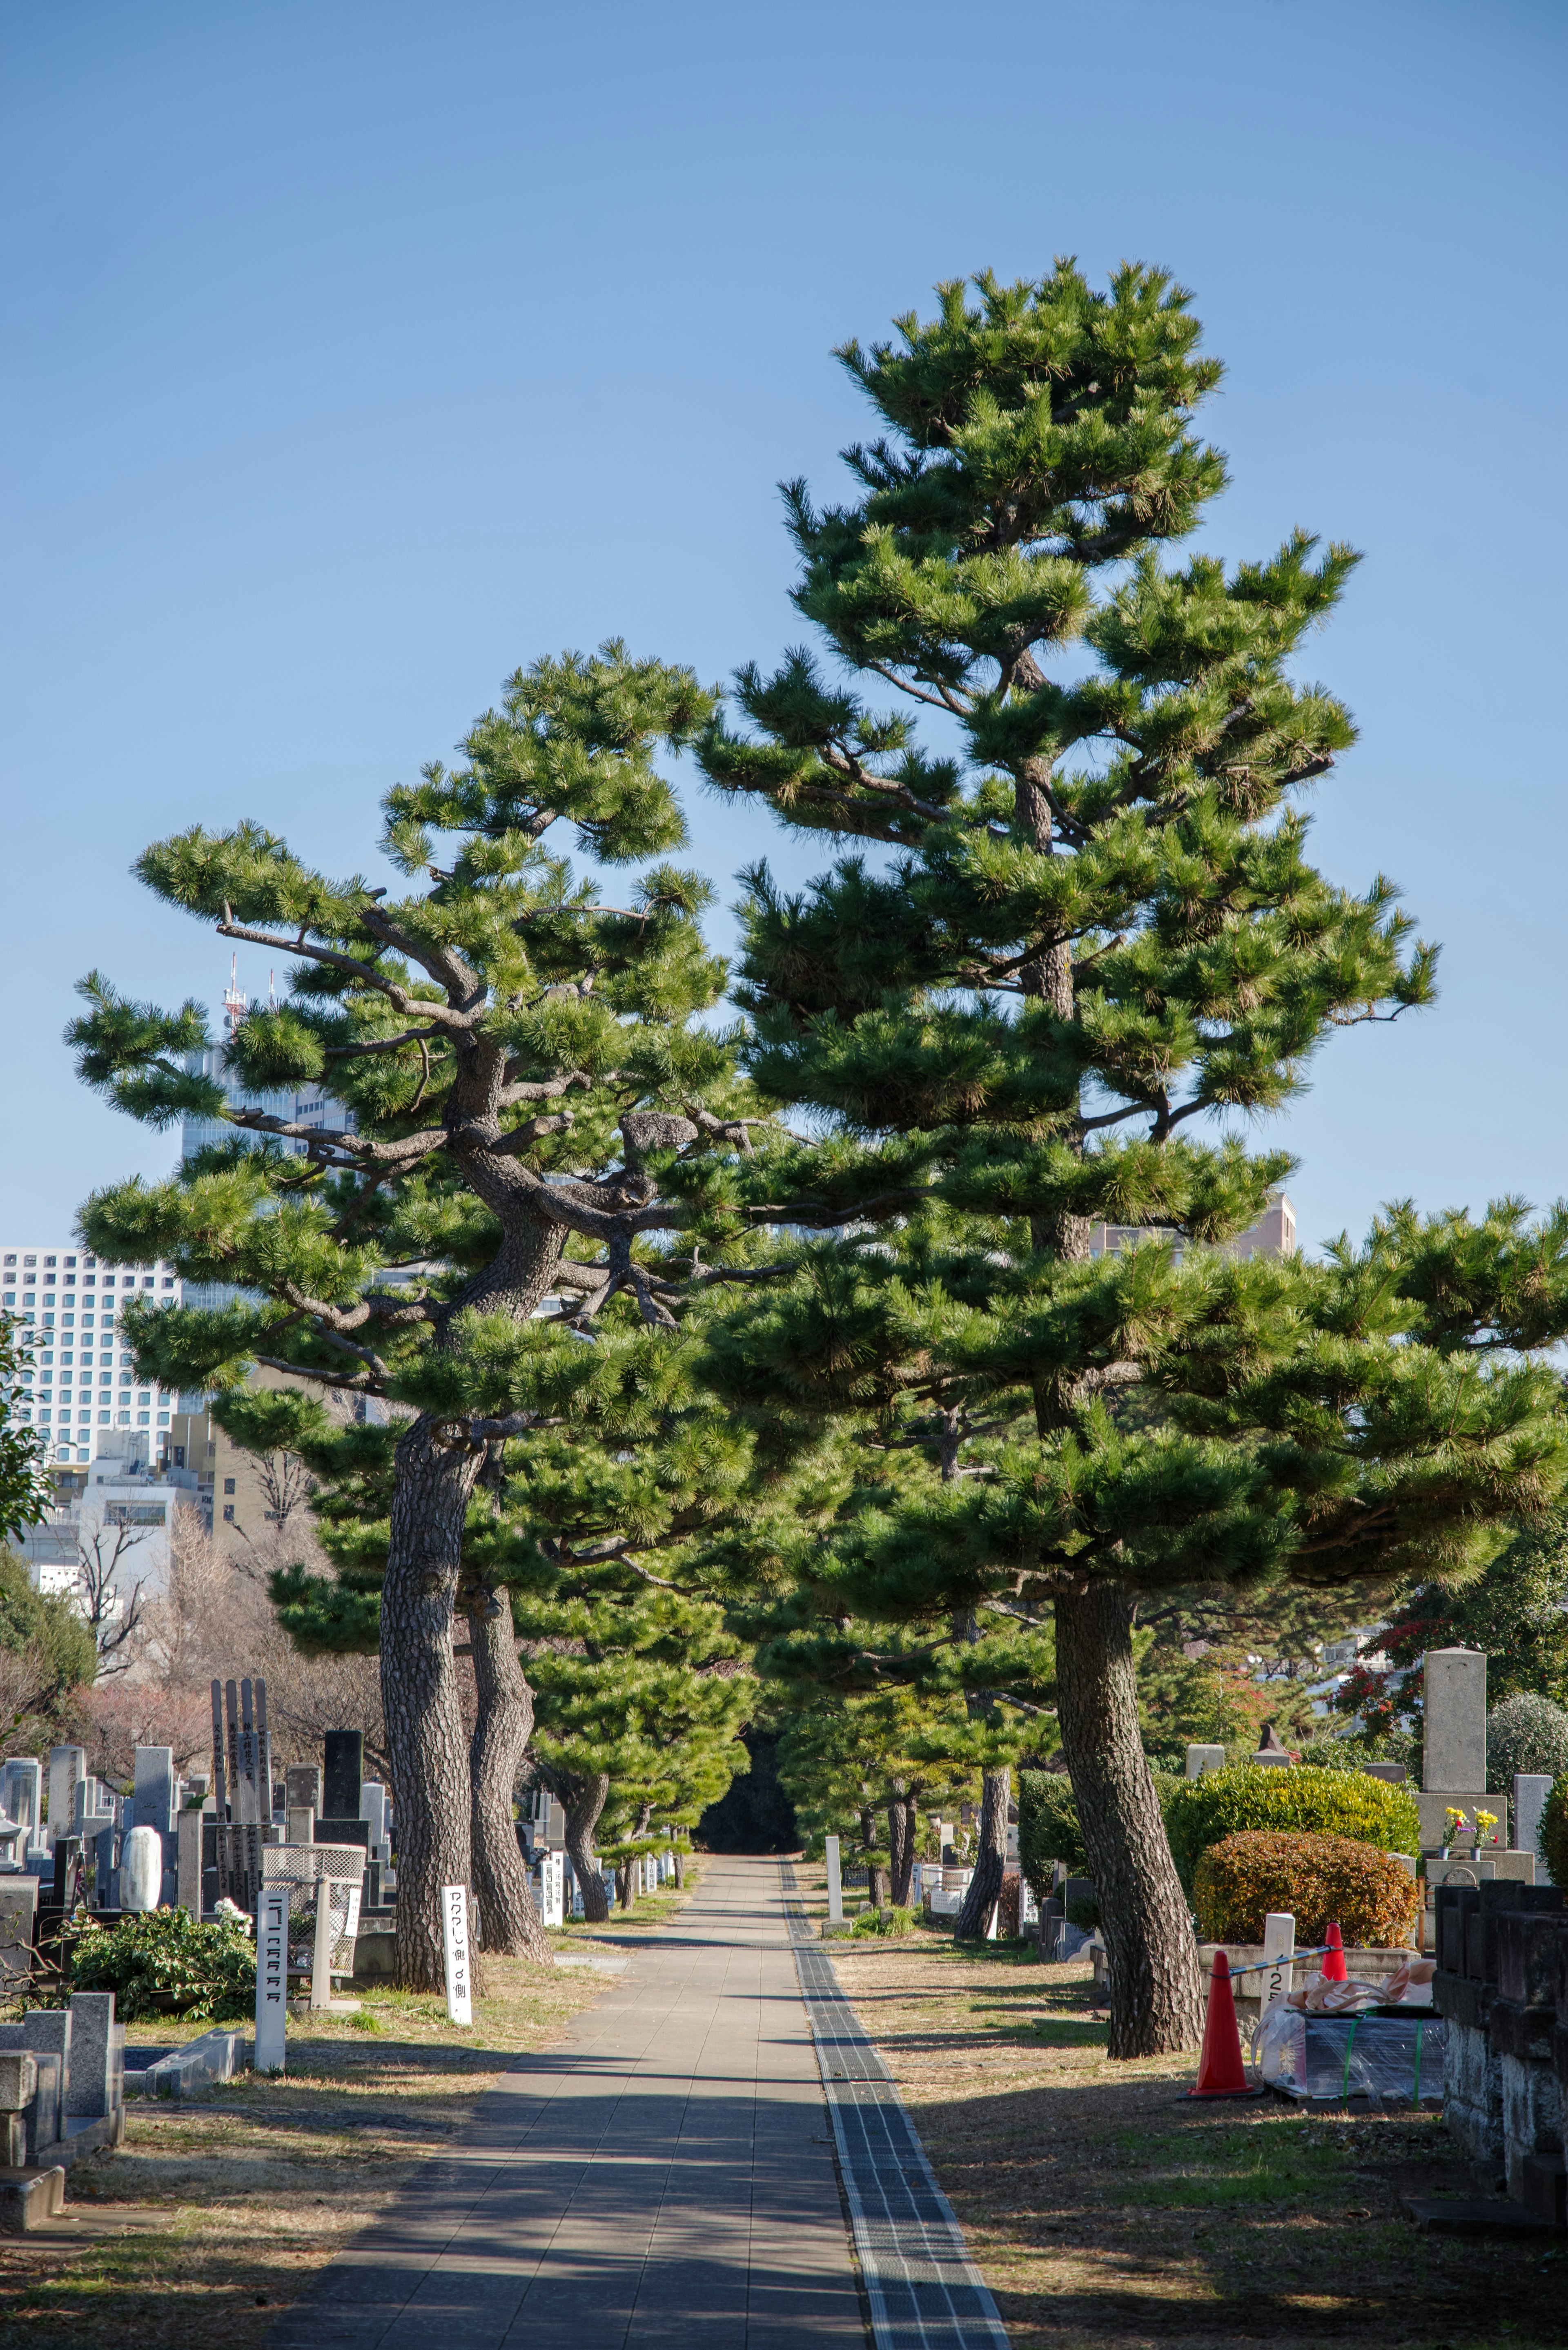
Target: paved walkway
(665,2176)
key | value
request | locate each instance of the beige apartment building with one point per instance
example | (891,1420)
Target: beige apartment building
(242,1495)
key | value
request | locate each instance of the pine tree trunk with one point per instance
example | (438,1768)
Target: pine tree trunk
(679,1870)
(985,1885)
(428,1751)
(623,1892)
(583,1800)
(902,1823)
(507,1919)
(1156,1993)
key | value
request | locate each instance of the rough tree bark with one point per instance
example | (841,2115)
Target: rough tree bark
(1155,1993)
(436,1466)
(503,1899)
(903,1825)
(991,1860)
(419,1693)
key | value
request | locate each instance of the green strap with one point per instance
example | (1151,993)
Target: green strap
(1349,2044)
(1416,2098)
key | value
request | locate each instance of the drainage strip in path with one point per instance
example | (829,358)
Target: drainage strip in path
(924,2291)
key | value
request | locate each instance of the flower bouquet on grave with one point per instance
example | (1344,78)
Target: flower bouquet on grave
(1455,1827)
(1486,1828)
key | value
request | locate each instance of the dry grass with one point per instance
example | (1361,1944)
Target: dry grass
(1107,2213)
(216,2212)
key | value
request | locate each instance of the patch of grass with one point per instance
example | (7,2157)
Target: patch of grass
(1068,2031)
(1269,2164)
(1107,2213)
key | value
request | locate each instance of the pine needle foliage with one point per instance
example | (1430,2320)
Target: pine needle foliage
(536,1106)
(1070,946)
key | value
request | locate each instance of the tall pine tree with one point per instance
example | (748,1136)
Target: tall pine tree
(1084,929)
(523,1066)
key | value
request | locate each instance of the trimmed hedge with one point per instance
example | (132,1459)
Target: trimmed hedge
(1553,1838)
(1319,1880)
(1291,1801)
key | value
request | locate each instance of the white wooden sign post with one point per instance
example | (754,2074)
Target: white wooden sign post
(552,1888)
(835,1884)
(1279,1956)
(454,1935)
(271,1976)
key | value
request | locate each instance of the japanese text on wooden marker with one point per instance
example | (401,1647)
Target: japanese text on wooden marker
(454,1935)
(271,1976)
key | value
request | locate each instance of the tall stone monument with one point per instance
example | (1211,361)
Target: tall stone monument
(1453,1769)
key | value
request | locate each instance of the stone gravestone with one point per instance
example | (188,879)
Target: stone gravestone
(22,1798)
(19,1909)
(1204,1758)
(152,1806)
(1531,1789)
(97,2042)
(1453,1773)
(47,2034)
(141,1868)
(67,1766)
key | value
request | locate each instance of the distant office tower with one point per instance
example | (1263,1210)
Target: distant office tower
(82,1389)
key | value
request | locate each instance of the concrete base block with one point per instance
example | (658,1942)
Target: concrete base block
(29,2197)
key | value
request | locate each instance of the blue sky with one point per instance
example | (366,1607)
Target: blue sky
(356,354)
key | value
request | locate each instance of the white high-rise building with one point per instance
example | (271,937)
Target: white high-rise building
(82,1390)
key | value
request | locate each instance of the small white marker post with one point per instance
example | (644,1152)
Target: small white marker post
(454,1935)
(1279,1953)
(271,1976)
(321,1957)
(835,1884)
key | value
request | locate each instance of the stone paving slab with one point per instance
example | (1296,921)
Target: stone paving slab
(664,2176)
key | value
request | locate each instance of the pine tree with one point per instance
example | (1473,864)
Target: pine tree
(523,1069)
(891,1753)
(1081,923)
(625,1691)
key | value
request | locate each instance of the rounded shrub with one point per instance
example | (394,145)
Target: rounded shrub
(1525,1733)
(1553,1838)
(1321,1880)
(166,1962)
(1295,1800)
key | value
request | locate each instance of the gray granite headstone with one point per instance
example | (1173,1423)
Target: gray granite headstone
(302,1787)
(47,2034)
(1453,1720)
(1531,1789)
(22,1790)
(154,1799)
(344,1775)
(89,2076)
(1204,1758)
(67,1764)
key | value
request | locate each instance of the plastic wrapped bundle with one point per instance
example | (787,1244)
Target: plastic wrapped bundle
(1391,2060)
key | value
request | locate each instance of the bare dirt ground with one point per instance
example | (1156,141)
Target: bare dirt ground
(216,2211)
(1107,2213)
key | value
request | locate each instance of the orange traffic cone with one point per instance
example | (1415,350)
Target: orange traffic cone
(1333,1967)
(1221,2072)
